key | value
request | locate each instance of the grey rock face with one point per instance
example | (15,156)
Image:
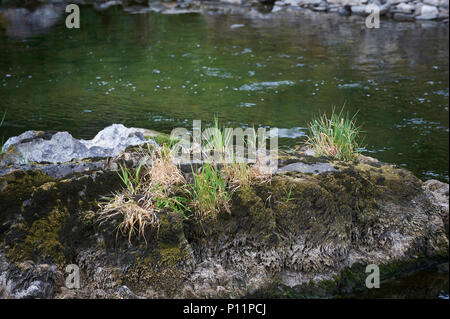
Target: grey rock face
(60,170)
(61,147)
(400,10)
(27,281)
(403,17)
(316,168)
(438,193)
(404,8)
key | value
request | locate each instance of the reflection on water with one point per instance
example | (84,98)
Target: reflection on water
(25,22)
(160,71)
(427,284)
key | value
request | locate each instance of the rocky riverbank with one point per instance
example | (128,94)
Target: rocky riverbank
(399,10)
(310,232)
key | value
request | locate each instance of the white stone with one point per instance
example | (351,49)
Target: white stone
(428,10)
(292,2)
(279,3)
(232,1)
(276,8)
(405,8)
(359,10)
(394,2)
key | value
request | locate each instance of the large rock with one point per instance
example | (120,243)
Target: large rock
(38,147)
(426,12)
(311,231)
(438,193)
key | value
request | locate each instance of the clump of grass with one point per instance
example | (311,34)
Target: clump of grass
(213,188)
(164,139)
(147,192)
(220,139)
(163,170)
(131,180)
(237,174)
(209,192)
(151,189)
(335,136)
(241,175)
(135,216)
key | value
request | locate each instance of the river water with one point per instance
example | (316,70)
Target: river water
(162,71)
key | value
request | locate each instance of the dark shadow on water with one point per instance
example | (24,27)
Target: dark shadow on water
(426,284)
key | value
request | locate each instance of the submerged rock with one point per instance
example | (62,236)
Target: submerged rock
(26,22)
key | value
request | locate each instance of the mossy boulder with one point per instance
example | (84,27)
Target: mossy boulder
(306,233)
(45,219)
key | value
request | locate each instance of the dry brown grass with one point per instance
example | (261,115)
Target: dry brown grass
(237,175)
(241,175)
(136,214)
(163,170)
(153,191)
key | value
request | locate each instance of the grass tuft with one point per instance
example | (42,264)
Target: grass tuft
(336,136)
(135,216)
(220,140)
(163,171)
(148,191)
(209,192)
(159,187)
(132,181)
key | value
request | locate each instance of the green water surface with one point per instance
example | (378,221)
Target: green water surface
(162,71)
